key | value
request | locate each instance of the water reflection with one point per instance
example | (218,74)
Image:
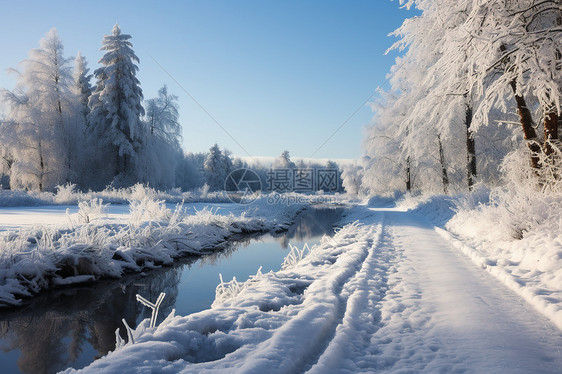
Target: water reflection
(74,326)
(311,223)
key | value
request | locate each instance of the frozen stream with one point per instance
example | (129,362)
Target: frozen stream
(73,326)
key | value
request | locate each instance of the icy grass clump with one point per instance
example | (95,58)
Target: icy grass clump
(147,209)
(295,256)
(67,194)
(89,211)
(154,306)
(227,290)
(10,198)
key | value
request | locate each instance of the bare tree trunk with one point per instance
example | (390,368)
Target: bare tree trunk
(408,175)
(117,163)
(41,166)
(529,131)
(470,149)
(444,174)
(550,130)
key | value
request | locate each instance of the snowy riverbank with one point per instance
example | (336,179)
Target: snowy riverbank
(91,246)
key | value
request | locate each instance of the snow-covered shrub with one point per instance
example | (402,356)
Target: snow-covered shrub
(510,215)
(523,205)
(141,192)
(147,209)
(67,194)
(89,211)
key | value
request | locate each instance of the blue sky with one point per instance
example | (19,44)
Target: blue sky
(275,75)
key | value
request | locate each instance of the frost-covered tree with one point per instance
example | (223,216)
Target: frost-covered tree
(82,87)
(162,149)
(352,176)
(116,110)
(436,125)
(6,162)
(217,166)
(40,128)
(284,161)
(162,115)
(424,130)
(519,58)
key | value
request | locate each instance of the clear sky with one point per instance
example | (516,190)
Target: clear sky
(275,75)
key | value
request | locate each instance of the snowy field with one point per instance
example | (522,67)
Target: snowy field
(14,218)
(387,293)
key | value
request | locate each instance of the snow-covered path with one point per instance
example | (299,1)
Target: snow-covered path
(439,313)
(387,294)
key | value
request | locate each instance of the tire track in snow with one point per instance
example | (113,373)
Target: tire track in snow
(354,302)
(329,307)
(362,317)
(381,328)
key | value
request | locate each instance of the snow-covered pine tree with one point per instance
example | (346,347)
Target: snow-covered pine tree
(83,139)
(116,110)
(216,169)
(284,161)
(82,85)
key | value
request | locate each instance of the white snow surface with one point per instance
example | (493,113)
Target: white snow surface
(386,294)
(517,240)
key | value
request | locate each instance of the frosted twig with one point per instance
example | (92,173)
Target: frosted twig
(129,331)
(154,306)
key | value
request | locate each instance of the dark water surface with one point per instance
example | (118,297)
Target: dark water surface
(71,327)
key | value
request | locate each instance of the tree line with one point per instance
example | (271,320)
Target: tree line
(476,91)
(59,128)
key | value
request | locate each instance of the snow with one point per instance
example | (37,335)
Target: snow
(386,293)
(13,218)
